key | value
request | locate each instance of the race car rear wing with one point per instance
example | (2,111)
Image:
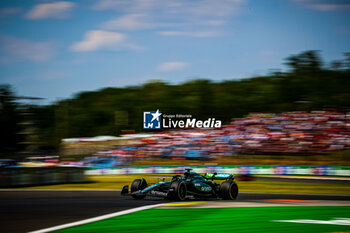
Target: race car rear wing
(218,176)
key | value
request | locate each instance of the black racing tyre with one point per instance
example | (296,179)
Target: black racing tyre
(177,190)
(228,190)
(138,184)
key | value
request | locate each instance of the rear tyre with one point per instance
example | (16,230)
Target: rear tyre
(137,185)
(177,191)
(228,190)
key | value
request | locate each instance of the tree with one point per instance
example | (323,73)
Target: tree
(110,110)
(347,60)
(308,61)
(9,121)
(336,65)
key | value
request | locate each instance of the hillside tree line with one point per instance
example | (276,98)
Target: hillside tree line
(309,84)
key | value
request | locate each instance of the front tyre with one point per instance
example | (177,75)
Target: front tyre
(229,190)
(177,191)
(138,185)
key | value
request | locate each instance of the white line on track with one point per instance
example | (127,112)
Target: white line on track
(99,218)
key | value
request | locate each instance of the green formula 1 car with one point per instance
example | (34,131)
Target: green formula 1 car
(189,185)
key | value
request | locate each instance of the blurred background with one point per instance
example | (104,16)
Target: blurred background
(77,76)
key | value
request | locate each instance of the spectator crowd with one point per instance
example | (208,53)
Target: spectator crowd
(317,132)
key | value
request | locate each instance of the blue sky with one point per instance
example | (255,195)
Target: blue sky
(53,49)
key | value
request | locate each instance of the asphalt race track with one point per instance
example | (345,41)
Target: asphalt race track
(23,211)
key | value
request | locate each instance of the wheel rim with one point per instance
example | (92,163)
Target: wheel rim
(182,191)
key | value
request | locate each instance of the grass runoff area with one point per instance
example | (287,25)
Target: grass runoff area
(238,219)
(116,182)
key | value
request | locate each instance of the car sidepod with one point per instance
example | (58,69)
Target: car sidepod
(200,188)
(159,189)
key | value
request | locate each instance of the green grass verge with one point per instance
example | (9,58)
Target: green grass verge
(238,219)
(116,182)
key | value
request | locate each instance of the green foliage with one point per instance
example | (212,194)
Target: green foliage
(307,86)
(10,137)
(308,61)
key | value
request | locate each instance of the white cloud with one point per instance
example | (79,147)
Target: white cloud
(329,7)
(219,8)
(57,10)
(103,40)
(323,5)
(127,5)
(109,4)
(171,66)
(172,7)
(129,22)
(191,33)
(14,48)
(170,15)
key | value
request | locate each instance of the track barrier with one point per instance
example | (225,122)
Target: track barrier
(32,176)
